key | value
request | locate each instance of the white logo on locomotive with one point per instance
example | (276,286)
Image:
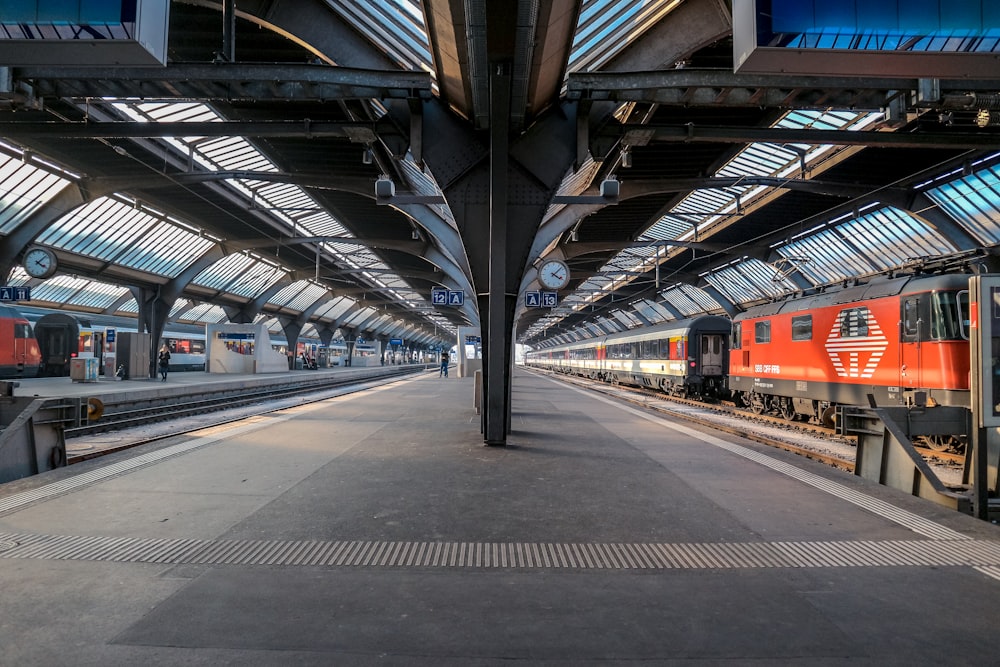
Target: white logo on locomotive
(855,337)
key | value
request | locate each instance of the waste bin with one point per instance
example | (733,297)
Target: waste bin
(83,370)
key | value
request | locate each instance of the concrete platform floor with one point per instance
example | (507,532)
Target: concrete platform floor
(375,529)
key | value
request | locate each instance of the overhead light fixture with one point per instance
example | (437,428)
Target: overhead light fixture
(627,158)
(367,157)
(574,235)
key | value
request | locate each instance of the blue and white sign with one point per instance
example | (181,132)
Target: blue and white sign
(439,296)
(395,341)
(456,297)
(8,293)
(550,299)
(109,335)
(532,299)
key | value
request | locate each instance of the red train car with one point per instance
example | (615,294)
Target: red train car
(19,355)
(889,338)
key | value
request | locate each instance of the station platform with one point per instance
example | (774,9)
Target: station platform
(376,529)
(177,382)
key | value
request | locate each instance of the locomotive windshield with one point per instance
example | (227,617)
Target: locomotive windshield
(950,315)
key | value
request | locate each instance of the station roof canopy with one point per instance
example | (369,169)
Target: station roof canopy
(244,172)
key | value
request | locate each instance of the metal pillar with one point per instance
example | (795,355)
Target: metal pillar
(496,348)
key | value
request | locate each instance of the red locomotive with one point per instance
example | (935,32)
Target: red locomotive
(890,337)
(19,355)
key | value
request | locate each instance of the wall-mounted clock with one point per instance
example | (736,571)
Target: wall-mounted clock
(40,262)
(553,274)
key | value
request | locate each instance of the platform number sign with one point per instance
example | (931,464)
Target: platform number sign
(535,299)
(8,293)
(441,296)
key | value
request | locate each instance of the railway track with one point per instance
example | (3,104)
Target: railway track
(828,447)
(144,411)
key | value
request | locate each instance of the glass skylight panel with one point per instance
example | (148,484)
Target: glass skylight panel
(117,232)
(239,274)
(607,27)
(628,319)
(974,202)
(394,26)
(98,295)
(831,257)
(651,311)
(748,281)
(298,295)
(23,189)
(205,313)
(359,317)
(58,289)
(894,236)
(256,280)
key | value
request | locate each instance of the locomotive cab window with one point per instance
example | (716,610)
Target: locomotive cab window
(762,331)
(950,315)
(737,336)
(802,327)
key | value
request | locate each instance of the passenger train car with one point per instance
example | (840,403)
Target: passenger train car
(890,338)
(63,335)
(687,357)
(803,356)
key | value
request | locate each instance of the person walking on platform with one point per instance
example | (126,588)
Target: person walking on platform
(164,362)
(444,365)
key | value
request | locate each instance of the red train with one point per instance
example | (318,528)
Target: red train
(890,337)
(804,355)
(19,355)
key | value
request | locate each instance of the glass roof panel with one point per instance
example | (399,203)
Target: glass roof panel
(24,188)
(607,27)
(358,317)
(115,231)
(239,274)
(748,281)
(974,202)
(334,308)
(394,26)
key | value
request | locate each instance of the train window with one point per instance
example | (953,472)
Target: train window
(762,331)
(950,315)
(802,327)
(737,335)
(22,330)
(854,322)
(911,319)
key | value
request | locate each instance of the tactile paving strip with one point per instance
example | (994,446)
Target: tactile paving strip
(982,554)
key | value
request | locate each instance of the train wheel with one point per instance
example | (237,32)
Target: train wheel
(788,410)
(939,443)
(829,417)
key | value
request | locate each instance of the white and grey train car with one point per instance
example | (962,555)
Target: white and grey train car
(682,358)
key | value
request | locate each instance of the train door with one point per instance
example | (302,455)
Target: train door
(910,325)
(712,354)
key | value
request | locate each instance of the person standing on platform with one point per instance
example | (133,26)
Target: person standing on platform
(444,365)
(164,362)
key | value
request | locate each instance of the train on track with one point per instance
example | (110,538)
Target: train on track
(802,356)
(42,342)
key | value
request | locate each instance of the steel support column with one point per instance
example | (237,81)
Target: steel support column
(498,313)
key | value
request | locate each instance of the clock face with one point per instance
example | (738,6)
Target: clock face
(553,274)
(39,263)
